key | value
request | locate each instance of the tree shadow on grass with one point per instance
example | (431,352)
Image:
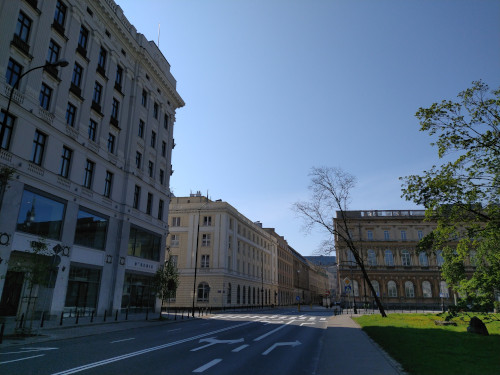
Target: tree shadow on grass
(439,351)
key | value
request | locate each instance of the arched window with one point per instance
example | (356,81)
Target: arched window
(355,288)
(372,258)
(405,258)
(443,290)
(388,258)
(409,290)
(426,289)
(423,259)
(229,293)
(472,257)
(392,290)
(238,295)
(376,286)
(203,292)
(439,258)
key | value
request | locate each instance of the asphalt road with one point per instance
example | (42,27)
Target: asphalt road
(287,342)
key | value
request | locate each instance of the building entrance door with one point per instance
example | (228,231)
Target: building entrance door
(11,293)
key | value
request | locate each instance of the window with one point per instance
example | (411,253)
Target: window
(149,204)
(89,174)
(83,288)
(162,177)
(207,221)
(155,110)
(165,121)
(229,291)
(40,215)
(176,221)
(53,54)
(14,70)
(118,78)
(76,78)
(151,168)
(174,259)
(439,258)
(443,290)
(60,14)
(409,290)
(45,95)
(423,259)
(115,109)
(473,258)
(108,183)
(350,258)
(66,155)
(23,27)
(141,129)
(205,261)
(372,258)
(101,61)
(392,290)
(91,230)
(38,147)
(426,289)
(420,234)
(355,288)
(6,126)
(403,235)
(388,258)
(96,98)
(70,115)
(161,203)
(82,40)
(92,130)
(137,196)
(238,295)
(144,98)
(369,235)
(174,240)
(386,235)
(163,148)
(205,240)
(405,258)
(153,139)
(144,244)
(111,143)
(376,286)
(138,159)
(203,292)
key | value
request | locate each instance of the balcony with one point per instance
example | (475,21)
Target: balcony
(101,71)
(82,51)
(59,29)
(75,90)
(114,121)
(96,107)
(52,70)
(21,45)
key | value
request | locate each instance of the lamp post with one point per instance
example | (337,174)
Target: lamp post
(196,254)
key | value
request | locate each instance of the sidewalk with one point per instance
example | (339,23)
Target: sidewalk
(347,350)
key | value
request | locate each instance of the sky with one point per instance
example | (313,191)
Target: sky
(275,87)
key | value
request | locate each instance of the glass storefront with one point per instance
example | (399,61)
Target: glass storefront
(138,294)
(91,230)
(144,244)
(83,290)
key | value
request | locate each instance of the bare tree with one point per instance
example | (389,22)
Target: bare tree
(330,193)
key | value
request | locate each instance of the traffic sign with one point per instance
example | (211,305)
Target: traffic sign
(297,298)
(347,281)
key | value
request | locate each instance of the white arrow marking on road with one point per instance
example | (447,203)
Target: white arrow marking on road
(212,341)
(292,344)
(27,350)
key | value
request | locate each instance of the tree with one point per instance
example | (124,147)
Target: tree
(5,175)
(166,281)
(463,195)
(330,192)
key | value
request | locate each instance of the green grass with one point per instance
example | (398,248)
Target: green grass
(424,348)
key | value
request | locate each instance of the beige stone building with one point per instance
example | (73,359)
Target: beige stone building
(224,259)
(387,242)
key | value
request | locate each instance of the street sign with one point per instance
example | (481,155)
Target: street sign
(347,288)
(347,281)
(297,298)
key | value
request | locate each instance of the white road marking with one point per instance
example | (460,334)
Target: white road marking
(322,318)
(27,350)
(292,344)
(113,342)
(239,348)
(208,365)
(212,341)
(144,351)
(21,359)
(271,332)
(172,330)
(302,324)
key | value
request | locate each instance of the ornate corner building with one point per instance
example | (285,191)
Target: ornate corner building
(386,242)
(87,114)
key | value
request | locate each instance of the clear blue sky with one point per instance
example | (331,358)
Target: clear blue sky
(275,87)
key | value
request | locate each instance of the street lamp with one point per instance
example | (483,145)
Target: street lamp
(62,63)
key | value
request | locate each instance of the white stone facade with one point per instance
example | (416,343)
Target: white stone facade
(91,147)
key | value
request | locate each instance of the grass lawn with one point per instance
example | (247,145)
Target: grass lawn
(424,348)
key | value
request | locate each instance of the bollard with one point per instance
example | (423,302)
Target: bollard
(77,316)
(126,314)
(61,320)
(182,314)
(2,328)
(42,320)
(147,314)
(116,315)
(92,316)
(105,313)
